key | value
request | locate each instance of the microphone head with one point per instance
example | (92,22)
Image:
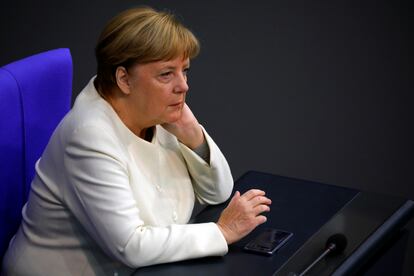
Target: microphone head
(340,242)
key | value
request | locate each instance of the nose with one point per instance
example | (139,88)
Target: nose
(181,85)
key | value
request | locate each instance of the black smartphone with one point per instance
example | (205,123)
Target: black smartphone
(268,241)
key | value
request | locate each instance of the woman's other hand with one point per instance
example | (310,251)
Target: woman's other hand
(186,129)
(243,214)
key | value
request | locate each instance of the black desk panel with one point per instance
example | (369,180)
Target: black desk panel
(365,221)
(298,206)
(311,210)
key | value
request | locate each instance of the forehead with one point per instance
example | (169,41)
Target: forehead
(177,62)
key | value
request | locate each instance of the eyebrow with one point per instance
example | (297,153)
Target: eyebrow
(174,67)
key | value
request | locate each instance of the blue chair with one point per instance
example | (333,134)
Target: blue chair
(35,94)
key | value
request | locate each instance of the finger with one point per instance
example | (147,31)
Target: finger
(260,209)
(252,193)
(260,220)
(235,197)
(261,200)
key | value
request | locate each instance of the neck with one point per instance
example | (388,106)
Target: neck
(120,106)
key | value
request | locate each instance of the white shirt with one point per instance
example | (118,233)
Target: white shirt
(104,199)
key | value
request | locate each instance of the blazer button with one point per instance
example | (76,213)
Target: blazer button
(159,189)
(175,216)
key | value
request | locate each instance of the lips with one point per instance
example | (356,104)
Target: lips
(176,104)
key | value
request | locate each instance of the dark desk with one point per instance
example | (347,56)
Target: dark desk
(313,212)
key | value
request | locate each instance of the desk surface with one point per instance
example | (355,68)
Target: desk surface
(298,206)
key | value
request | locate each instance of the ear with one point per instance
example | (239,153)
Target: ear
(122,80)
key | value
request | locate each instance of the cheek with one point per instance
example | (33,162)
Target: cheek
(154,93)
(160,100)
(165,95)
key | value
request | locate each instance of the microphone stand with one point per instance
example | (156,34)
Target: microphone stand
(331,247)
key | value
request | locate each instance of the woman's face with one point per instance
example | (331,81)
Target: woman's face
(158,90)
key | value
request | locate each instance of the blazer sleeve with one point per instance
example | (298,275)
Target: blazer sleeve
(99,195)
(212,182)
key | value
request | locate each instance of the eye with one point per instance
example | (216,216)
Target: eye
(185,71)
(166,74)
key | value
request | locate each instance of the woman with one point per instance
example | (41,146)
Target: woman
(116,185)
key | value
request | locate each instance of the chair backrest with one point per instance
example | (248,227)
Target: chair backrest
(35,94)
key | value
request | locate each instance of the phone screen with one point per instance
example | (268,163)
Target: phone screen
(268,241)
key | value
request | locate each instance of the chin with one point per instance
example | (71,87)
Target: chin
(174,117)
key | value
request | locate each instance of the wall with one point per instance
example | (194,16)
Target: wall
(319,90)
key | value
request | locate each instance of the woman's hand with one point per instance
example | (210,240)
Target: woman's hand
(243,214)
(186,129)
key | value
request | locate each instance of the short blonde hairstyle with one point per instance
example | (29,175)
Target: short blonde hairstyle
(140,35)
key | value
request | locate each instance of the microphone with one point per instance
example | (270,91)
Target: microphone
(335,245)
(339,242)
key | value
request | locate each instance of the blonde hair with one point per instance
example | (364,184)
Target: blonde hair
(140,35)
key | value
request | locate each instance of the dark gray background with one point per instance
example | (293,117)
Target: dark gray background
(319,90)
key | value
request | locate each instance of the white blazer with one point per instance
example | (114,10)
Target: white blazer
(104,201)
